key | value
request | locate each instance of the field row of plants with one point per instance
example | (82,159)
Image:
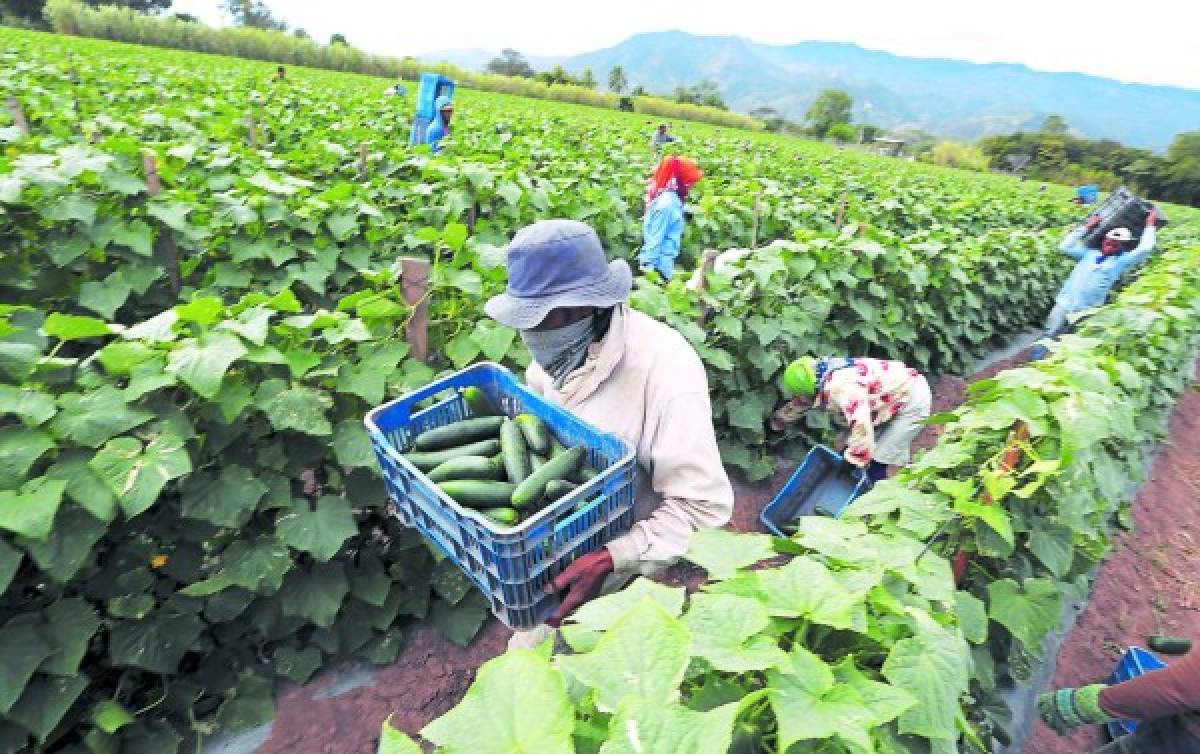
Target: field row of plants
(861,641)
(123,24)
(189,508)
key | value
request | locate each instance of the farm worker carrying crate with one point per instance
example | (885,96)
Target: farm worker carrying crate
(1165,702)
(435,108)
(627,374)
(1095,273)
(862,394)
(662,230)
(1087,194)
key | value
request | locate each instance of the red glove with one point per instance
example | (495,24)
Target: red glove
(582,581)
(1092,222)
(1152,218)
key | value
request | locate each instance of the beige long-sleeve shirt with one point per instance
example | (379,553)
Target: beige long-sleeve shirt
(644,383)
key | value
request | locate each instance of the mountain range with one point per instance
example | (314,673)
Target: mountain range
(951,98)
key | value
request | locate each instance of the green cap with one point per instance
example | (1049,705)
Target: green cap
(800,377)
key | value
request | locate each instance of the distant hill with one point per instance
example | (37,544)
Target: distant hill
(949,97)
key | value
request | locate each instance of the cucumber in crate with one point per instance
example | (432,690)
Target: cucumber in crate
(511,487)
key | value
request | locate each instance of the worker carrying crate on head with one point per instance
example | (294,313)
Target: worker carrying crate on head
(435,107)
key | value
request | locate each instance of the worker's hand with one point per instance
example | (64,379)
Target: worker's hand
(1092,222)
(581,580)
(1067,709)
(1152,218)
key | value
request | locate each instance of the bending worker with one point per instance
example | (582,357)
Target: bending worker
(1165,702)
(862,394)
(1096,271)
(662,230)
(626,374)
(440,126)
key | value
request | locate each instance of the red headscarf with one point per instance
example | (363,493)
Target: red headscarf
(674,173)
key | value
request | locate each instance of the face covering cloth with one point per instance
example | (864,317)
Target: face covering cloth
(560,352)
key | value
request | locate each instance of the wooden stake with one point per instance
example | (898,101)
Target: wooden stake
(251,136)
(754,232)
(18,115)
(414,282)
(362,160)
(841,212)
(170,253)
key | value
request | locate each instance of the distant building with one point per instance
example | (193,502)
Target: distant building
(887,147)
(1017,162)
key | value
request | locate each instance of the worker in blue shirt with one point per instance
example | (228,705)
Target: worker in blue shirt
(662,230)
(1097,270)
(441,122)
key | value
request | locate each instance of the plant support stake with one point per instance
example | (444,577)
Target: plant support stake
(18,115)
(414,282)
(166,243)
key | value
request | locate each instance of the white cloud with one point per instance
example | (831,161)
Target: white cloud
(1152,42)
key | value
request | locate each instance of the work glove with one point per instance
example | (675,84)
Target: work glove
(581,580)
(1152,218)
(1066,709)
(1092,222)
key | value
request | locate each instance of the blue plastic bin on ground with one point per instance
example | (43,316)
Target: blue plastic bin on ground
(510,565)
(432,86)
(824,484)
(1135,662)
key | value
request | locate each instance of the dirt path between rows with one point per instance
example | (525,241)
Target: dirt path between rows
(431,674)
(1149,584)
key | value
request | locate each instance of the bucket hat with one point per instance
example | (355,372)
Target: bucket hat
(554,264)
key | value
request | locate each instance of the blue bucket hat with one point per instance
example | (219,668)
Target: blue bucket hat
(554,264)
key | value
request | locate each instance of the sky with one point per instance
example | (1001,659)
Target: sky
(1150,42)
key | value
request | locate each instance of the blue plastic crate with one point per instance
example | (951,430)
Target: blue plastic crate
(510,565)
(1135,662)
(824,484)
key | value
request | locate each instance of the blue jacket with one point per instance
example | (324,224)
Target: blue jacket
(1095,274)
(662,233)
(437,127)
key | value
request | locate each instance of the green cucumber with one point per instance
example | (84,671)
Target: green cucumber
(467,467)
(502,516)
(1169,645)
(515,450)
(557,488)
(537,435)
(459,433)
(536,461)
(428,461)
(531,491)
(584,474)
(478,402)
(478,493)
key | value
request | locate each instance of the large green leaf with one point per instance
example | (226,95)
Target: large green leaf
(644,654)
(1029,610)
(84,486)
(72,327)
(319,531)
(225,498)
(136,474)
(300,408)
(517,705)
(68,545)
(934,667)
(601,613)
(202,364)
(812,703)
(722,553)
(316,593)
(45,702)
(805,588)
(1053,544)
(727,631)
(31,406)
(22,650)
(20,448)
(10,561)
(30,511)
(156,644)
(93,418)
(70,625)
(352,445)
(641,727)
(258,565)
